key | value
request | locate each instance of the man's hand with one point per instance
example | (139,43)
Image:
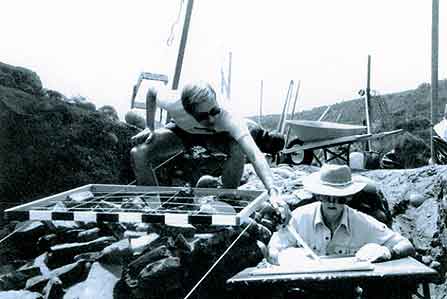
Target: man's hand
(280,206)
(280,240)
(143,136)
(372,252)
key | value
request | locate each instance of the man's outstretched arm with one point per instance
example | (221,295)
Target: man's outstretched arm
(151,107)
(257,159)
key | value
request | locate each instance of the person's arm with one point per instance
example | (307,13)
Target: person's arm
(384,243)
(151,107)
(402,249)
(280,240)
(257,159)
(262,169)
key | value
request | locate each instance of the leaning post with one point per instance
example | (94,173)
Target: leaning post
(368,102)
(434,70)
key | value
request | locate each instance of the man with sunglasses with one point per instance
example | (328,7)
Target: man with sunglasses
(197,119)
(330,227)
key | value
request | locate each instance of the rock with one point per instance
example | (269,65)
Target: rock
(62,235)
(186,230)
(415,198)
(99,284)
(283,172)
(109,112)
(144,227)
(53,290)
(427,259)
(41,263)
(89,257)
(45,242)
(17,279)
(210,206)
(435,265)
(89,234)
(111,138)
(160,278)
(130,234)
(54,95)
(208,248)
(86,105)
(302,194)
(140,244)
(117,253)
(112,229)
(140,263)
(182,249)
(66,275)
(207,181)
(133,118)
(28,234)
(66,252)
(23,294)
(152,242)
(259,232)
(425,220)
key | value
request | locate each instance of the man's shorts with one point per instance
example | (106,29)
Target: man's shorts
(220,142)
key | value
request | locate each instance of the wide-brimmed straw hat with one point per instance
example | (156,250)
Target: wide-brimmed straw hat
(334,180)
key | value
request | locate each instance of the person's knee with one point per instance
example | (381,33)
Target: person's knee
(137,154)
(142,153)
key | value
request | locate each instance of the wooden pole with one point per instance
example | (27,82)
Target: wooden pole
(230,58)
(261,95)
(324,113)
(225,77)
(182,46)
(293,109)
(368,102)
(284,109)
(181,51)
(434,70)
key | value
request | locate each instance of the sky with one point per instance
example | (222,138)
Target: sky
(97,49)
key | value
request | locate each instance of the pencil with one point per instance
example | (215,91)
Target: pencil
(301,242)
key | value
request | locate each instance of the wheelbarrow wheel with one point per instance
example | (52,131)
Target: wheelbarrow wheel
(299,157)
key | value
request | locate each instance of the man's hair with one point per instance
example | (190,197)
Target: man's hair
(196,93)
(271,142)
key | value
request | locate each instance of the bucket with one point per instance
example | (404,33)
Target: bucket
(364,160)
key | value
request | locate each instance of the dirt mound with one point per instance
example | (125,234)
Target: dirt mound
(48,144)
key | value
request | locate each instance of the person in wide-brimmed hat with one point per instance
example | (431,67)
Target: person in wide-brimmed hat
(330,227)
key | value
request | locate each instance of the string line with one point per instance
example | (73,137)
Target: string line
(217,261)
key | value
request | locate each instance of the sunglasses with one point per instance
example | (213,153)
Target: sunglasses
(333,199)
(201,116)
